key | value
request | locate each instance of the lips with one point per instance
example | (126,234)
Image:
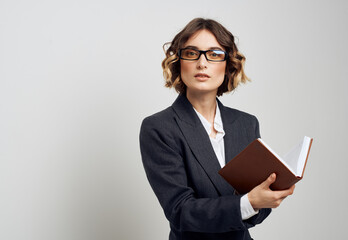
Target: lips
(202,77)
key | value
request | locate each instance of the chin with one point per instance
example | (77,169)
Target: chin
(202,90)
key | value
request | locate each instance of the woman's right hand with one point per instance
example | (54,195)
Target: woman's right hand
(263,197)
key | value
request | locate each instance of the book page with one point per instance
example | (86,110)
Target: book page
(303,155)
(293,170)
(296,157)
(292,157)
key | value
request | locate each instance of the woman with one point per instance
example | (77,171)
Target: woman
(184,146)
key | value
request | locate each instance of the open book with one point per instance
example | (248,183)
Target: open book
(257,161)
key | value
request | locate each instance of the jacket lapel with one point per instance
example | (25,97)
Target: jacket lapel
(199,142)
(232,132)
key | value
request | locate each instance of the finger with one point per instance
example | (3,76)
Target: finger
(290,191)
(287,192)
(271,179)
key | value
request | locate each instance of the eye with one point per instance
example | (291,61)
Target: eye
(213,54)
(190,52)
(216,55)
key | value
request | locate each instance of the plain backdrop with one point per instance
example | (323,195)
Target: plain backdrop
(77,77)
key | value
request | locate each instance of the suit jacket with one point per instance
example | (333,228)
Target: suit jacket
(182,169)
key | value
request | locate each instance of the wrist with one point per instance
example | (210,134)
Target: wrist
(252,202)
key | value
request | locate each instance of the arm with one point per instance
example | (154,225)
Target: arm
(166,172)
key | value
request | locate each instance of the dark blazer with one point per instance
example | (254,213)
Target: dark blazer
(182,169)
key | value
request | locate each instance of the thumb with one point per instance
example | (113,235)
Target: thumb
(271,179)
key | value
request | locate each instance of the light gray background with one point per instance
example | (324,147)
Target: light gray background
(78,77)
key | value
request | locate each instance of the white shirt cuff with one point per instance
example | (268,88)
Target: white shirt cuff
(246,209)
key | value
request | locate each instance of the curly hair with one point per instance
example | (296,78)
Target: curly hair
(234,73)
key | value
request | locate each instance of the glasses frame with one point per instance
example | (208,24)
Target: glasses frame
(202,52)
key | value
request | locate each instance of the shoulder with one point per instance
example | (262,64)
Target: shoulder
(160,128)
(161,124)
(160,119)
(232,115)
(246,122)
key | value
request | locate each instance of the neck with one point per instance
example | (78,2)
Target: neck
(205,104)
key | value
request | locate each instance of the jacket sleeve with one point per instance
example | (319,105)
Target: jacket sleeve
(165,169)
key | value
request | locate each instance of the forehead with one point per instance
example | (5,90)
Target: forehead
(203,40)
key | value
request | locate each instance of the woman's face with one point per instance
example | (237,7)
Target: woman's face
(202,76)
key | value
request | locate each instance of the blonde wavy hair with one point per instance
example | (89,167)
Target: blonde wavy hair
(234,73)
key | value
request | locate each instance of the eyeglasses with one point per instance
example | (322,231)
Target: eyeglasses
(194,54)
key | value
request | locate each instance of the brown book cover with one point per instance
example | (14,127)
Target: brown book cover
(256,163)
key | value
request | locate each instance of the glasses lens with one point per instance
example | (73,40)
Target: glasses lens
(189,54)
(216,55)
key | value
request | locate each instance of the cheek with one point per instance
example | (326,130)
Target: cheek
(222,68)
(185,68)
(220,71)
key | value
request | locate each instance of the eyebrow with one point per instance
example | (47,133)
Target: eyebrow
(211,48)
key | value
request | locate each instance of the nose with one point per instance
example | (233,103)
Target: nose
(202,62)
